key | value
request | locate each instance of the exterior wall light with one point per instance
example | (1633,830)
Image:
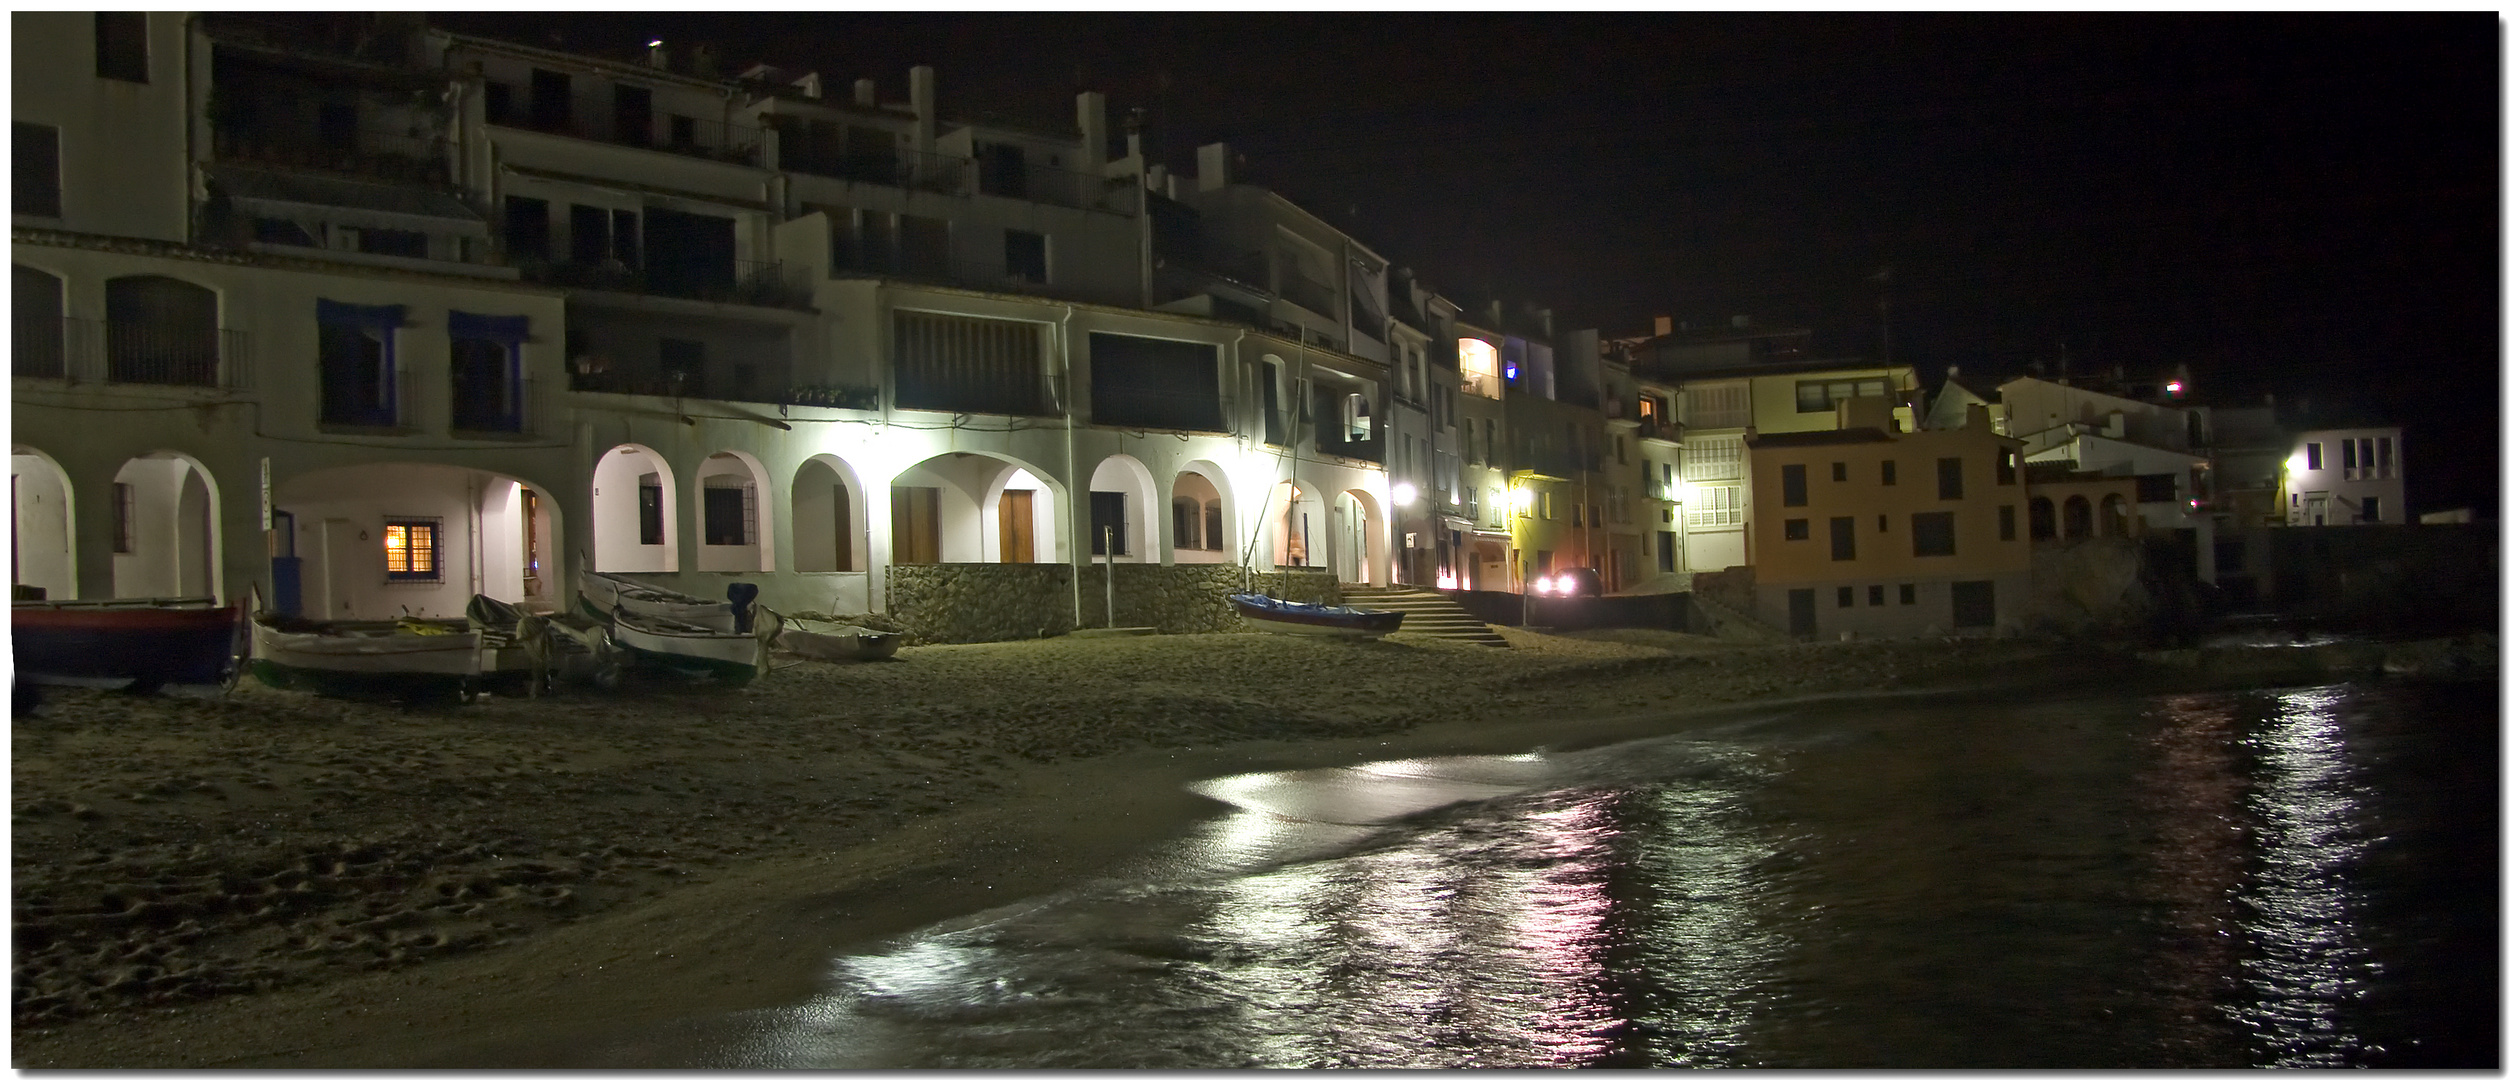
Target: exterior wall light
(1406,494)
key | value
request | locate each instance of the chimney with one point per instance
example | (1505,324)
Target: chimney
(1953,372)
(1092,107)
(1664,326)
(866,93)
(657,57)
(1211,167)
(1133,119)
(702,61)
(809,85)
(920,96)
(1742,322)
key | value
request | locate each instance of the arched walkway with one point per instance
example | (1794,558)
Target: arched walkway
(2113,515)
(375,540)
(831,526)
(1123,506)
(635,512)
(974,507)
(1199,520)
(2078,517)
(733,527)
(1358,552)
(1296,539)
(165,528)
(41,525)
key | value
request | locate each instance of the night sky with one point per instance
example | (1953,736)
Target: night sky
(2307,205)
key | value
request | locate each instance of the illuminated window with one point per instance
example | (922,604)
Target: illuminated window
(409,550)
(1478,360)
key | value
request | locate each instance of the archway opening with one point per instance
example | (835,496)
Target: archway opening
(1294,530)
(734,525)
(635,513)
(41,525)
(1198,520)
(2078,517)
(376,541)
(964,507)
(2113,515)
(1123,503)
(1357,547)
(830,526)
(2043,518)
(165,528)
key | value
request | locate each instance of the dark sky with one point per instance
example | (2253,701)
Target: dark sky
(2302,204)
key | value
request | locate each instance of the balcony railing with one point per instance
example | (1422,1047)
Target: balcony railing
(934,172)
(509,410)
(351,401)
(130,353)
(714,140)
(734,281)
(379,155)
(1308,293)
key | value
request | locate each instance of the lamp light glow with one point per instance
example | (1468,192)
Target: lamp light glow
(1406,493)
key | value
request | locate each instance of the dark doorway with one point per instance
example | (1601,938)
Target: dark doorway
(1973,604)
(1800,612)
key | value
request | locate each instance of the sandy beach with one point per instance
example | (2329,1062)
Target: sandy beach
(272,878)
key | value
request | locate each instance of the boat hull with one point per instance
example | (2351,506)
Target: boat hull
(606,593)
(1314,620)
(148,642)
(728,658)
(364,659)
(838,642)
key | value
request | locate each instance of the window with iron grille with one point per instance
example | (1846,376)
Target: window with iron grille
(409,549)
(731,511)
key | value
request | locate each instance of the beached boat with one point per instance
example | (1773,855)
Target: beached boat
(1315,620)
(731,657)
(821,639)
(148,642)
(609,592)
(542,646)
(408,658)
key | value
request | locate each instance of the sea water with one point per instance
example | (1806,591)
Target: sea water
(2300,877)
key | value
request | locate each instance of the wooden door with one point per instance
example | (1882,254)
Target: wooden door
(1019,527)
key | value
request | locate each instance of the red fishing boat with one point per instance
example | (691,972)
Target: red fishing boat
(149,642)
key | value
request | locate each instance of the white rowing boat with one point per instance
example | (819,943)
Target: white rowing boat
(821,639)
(412,657)
(727,656)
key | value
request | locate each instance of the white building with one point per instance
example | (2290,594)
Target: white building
(377,324)
(2346,476)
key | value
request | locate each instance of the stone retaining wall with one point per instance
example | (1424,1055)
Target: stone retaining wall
(962,603)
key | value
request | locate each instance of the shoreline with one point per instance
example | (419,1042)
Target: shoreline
(959,777)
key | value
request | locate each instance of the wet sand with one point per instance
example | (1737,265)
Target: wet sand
(271,878)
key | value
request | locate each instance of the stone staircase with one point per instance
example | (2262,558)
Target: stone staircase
(1426,612)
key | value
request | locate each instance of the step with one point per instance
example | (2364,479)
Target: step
(1426,613)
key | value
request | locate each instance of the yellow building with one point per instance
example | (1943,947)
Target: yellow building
(1708,498)
(1876,532)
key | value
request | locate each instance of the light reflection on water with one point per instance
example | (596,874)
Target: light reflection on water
(2154,882)
(2309,965)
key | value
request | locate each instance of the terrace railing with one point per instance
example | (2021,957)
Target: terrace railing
(130,353)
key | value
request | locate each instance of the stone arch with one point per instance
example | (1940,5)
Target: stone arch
(1358,551)
(976,506)
(831,517)
(376,539)
(164,515)
(43,549)
(2078,517)
(636,524)
(1123,496)
(1206,485)
(2043,518)
(2113,515)
(735,524)
(160,330)
(35,323)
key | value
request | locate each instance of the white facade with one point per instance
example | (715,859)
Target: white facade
(2346,476)
(396,379)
